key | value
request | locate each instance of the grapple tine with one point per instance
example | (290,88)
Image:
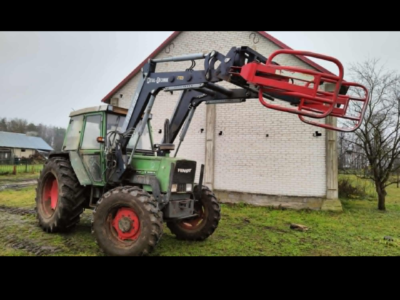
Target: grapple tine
(342,112)
(304,84)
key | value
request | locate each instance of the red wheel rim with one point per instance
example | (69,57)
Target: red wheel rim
(194,223)
(126,224)
(50,195)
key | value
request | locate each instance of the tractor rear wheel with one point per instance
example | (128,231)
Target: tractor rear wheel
(59,196)
(127,222)
(204,224)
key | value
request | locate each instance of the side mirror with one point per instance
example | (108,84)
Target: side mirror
(100,139)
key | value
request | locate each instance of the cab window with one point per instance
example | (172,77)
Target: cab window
(74,133)
(92,132)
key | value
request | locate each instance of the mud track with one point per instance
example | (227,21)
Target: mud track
(17,211)
(19,231)
(14,242)
(17,184)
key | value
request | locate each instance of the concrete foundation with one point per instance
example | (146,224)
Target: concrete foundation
(290,202)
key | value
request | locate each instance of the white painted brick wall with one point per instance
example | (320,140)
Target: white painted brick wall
(289,162)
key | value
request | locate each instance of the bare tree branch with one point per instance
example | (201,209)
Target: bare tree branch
(377,140)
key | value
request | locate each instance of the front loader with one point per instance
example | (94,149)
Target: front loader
(109,162)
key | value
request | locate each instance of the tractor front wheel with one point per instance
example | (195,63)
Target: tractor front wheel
(127,222)
(204,224)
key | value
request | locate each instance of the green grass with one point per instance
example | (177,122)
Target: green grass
(244,230)
(8,169)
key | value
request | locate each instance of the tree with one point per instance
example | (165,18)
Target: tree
(3,124)
(58,138)
(31,128)
(378,137)
(18,125)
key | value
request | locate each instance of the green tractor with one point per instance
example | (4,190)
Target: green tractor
(128,218)
(109,162)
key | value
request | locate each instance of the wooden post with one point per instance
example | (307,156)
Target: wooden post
(15,170)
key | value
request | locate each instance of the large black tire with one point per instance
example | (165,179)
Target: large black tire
(59,196)
(127,222)
(201,227)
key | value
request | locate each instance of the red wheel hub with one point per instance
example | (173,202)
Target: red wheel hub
(127,224)
(192,224)
(50,195)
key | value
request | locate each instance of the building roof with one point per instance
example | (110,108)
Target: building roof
(21,140)
(176,33)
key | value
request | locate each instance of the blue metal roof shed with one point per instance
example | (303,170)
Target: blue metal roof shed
(23,141)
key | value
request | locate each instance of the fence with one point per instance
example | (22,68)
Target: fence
(19,165)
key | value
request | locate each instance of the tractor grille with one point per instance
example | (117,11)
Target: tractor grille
(181,187)
(184,173)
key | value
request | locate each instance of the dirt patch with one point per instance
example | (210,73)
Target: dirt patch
(16,228)
(17,210)
(19,231)
(30,246)
(275,229)
(15,179)
(18,184)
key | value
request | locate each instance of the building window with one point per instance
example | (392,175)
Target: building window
(22,150)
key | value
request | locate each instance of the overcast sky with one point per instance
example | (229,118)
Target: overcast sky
(44,75)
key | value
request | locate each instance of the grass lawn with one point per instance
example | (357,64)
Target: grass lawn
(20,169)
(243,231)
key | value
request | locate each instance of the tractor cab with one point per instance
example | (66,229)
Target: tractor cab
(91,141)
(90,131)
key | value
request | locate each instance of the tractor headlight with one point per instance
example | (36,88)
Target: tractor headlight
(174,188)
(188,187)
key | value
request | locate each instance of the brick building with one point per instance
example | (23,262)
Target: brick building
(251,153)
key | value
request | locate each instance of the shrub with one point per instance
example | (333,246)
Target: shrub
(355,189)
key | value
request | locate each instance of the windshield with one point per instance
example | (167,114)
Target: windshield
(114,122)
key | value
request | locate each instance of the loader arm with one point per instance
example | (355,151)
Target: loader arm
(202,81)
(256,77)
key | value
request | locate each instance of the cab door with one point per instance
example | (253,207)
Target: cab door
(91,151)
